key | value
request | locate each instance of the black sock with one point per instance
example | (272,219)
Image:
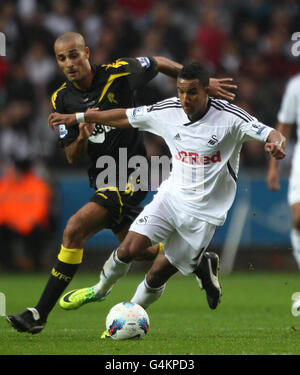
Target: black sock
(61,275)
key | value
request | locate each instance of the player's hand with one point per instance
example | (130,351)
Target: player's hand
(56,119)
(85,129)
(273,180)
(92,109)
(275,149)
(219,88)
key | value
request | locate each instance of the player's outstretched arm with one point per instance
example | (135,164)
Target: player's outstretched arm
(275,145)
(218,87)
(167,66)
(114,117)
(273,178)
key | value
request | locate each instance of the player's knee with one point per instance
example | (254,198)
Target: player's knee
(129,251)
(132,247)
(124,254)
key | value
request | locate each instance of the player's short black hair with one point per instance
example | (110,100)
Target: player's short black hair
(195,70)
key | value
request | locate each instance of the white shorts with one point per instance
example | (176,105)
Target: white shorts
(294,187)
(184,237)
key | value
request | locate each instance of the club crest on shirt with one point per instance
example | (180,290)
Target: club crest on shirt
(213,140)
(143,220)
(111,97)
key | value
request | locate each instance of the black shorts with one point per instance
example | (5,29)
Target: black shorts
(123,206)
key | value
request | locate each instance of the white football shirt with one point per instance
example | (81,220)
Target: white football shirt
(205,153)
(289,112)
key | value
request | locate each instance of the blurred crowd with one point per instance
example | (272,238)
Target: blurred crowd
(248,40)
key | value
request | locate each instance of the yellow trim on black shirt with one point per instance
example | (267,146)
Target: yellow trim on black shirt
(110,80)
(54,95)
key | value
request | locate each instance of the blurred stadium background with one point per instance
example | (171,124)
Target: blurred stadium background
(248,40)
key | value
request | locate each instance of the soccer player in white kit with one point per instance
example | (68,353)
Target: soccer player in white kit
(205,137)
(289,114)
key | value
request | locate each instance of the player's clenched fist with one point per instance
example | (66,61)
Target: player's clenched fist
(56,119)
(275,149)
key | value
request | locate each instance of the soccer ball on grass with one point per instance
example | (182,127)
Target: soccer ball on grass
(127,320)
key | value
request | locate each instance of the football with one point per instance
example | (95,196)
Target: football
(127,320)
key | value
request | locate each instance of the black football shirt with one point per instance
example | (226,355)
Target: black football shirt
(113,86)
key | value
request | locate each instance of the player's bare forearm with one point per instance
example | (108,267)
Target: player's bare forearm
(273,175)
(168,67)
(277,137)
(275,145)
(76,151)
(114,117)
(285,130)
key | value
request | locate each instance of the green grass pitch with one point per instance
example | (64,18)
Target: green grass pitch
(254,318)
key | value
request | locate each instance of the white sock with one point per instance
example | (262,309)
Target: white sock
(145,295)
(295,239)
(112,271)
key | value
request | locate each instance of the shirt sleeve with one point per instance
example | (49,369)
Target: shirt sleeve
(288,109)
(250,129)
(143,119)
(142,70)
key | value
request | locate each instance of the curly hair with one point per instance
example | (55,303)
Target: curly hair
(195,70)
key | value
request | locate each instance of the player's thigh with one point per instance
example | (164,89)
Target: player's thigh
(160,271)
(295,211)
(88,220)
(155,221)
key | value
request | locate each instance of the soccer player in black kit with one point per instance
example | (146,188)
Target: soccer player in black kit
(106,87)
